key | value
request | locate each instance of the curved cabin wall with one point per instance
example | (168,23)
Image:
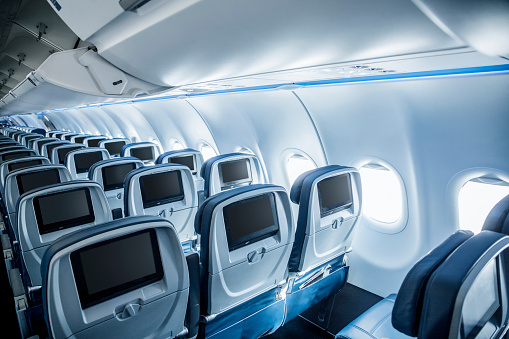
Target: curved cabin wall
(428,130)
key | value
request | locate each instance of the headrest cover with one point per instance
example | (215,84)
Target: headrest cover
(498,218)
(407,310)
(308,178)
(441,300)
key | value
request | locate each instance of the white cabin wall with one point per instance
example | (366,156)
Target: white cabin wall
(102,123)
(428,130)
(269,123)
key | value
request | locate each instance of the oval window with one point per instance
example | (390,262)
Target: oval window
(476,199)
(296,165)
(382,198)
(207,151)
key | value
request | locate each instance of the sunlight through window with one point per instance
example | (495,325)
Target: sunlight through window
(298,164)
(475,201)
(381,194)
(207,151)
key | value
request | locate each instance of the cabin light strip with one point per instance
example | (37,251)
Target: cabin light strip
(448,73)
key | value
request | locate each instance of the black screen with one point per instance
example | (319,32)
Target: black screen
(335,194)
(63,210)
(114,147)
(43,142)
(250,220)
(57,135)
(85,160)
(50,148)
(143,153)
(79,140)
(114,267)
(23,164)
(113,176)
(94,142)
(68,136)
(32,137)
(233,172)
(187,160)
(62,152)
(15,155)
(33,180)
(161,188)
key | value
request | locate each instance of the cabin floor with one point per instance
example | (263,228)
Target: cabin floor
(344,307)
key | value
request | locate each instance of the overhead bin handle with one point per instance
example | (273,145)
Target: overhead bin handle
(131,5)
(110,79)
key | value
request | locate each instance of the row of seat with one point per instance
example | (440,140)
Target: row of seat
(252,276)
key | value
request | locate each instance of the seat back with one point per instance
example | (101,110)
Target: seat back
(38,143)
(329,200)
(93,141)
(110,174)
(59,153)
(407,311)
(145,151)
(47,149)
(47,213)
(78,162)
(26,179)
(114,146)
(79,138)
(11,165)
(12,148)
(30,136)
(187,157)
(467,296)
(246,239)
(166,190)
(232,170)
(498,218)
(126,278)
(15,154)
(68,136)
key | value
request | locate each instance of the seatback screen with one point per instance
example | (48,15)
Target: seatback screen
(51,147)
(68,136)
(114,267)
(84,161)
(143,153)
(234,172)
(94,142)
(187,160)
(250,220)
(79,140)
(161,188)
(32,180)
(113,176)
(42,143)
(335,194)
(23,164)
(114,147)
(62,152)
(32,137)
(62,210)
(15,155)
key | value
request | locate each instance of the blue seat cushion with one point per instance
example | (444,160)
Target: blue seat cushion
(498,218)
(408,306)
(374,323)
(207,166)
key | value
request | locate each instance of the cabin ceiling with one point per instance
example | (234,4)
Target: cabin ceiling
(30,31)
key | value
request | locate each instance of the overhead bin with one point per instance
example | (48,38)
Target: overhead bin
(74,78)
(181,42)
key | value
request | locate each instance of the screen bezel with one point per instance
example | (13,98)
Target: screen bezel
(80,170)
(235,182)
(63,224)
(136,149)
(265,233)
(19,178)
(156,202)
(110,187)
(193,157)
(328,210)
(88,300)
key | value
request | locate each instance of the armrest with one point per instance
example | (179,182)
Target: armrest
(18,289)
(6,246)
(193,305)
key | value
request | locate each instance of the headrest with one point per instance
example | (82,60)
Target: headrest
(498,218)
(145,151)
(14,164)
(194,164)
(59,153)
(16,154)
(47,149)
(467,290)
(212,175)
(79,161)
(93,141)
(407,309)
(114,146)
(95,172)
(306,179)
